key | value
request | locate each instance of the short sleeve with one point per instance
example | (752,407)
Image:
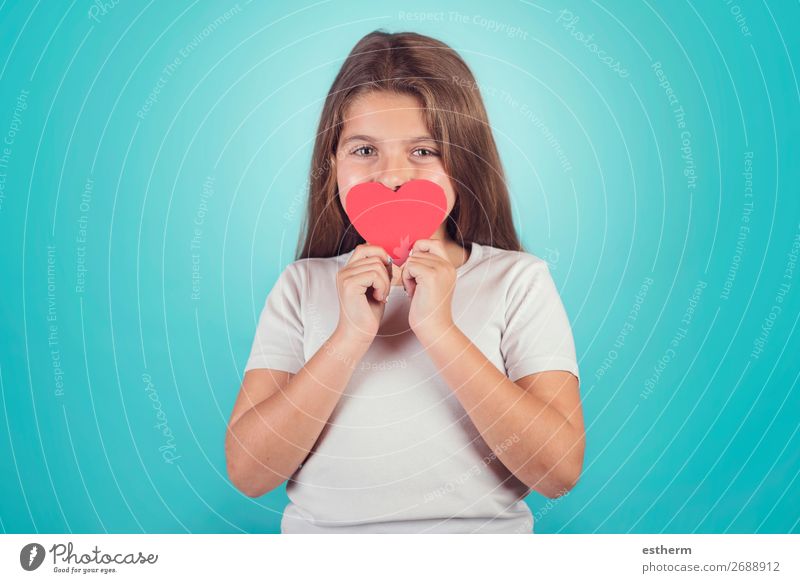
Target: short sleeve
(278,342)
(537,334)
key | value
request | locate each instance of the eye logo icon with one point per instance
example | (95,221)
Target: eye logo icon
(31,556)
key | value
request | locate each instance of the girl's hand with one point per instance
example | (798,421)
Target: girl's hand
(363,285)
(429,278)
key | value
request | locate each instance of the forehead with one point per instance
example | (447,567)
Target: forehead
(381,114)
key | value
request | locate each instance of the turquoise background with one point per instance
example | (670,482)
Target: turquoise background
(631,217)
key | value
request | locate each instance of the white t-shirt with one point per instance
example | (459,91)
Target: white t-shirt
(399,453)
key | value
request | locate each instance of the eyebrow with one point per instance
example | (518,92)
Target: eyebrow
(364,138)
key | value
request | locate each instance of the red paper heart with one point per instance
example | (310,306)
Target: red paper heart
(395,220)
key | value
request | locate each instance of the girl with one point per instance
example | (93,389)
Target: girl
(427,398)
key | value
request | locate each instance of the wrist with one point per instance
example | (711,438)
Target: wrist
(431,332)
(350,343)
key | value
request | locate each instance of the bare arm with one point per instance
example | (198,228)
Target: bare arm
(279,416)
(534,426)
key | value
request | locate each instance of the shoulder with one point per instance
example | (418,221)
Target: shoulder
(520,278)
(513,266)
(315,269)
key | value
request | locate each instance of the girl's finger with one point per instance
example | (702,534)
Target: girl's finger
(371,276)
(408,280)
(374,264)
(414,270)
(433,246)
(371,260)
(366,250)
(426,259)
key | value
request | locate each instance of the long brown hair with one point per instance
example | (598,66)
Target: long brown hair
(421,66)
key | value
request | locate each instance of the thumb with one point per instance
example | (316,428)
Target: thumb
(409,283)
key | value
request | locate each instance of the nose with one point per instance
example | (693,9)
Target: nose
(395,171)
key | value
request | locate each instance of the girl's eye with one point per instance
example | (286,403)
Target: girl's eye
(430,152)
(361,148)
(358,152)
